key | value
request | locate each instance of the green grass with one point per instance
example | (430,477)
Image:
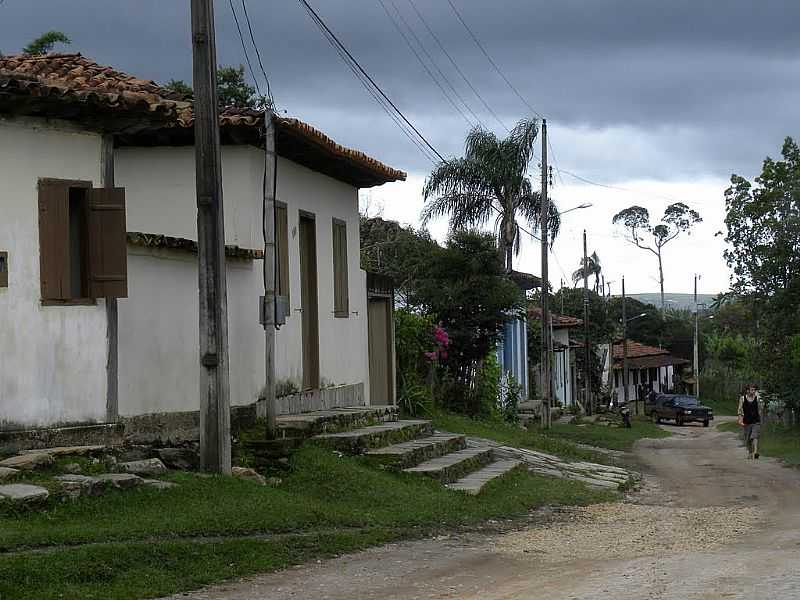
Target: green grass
(326,505)
(513,435)
(614,438)
(722,407)
(775,440)
(560,440)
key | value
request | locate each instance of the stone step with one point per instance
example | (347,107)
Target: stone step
(334,420)
(474,482)
(413,452)
(360,440)
(454,466)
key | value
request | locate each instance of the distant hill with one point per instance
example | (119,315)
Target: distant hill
(677,301)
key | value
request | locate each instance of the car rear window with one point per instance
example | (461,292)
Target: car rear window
(686,401)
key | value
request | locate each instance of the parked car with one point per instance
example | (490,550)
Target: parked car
(679,408)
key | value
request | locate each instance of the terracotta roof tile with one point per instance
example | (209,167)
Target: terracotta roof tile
(637,349)
(73,77)
(559,321)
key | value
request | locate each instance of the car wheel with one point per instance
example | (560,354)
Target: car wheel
(679,421)
(705,423)
(655,417)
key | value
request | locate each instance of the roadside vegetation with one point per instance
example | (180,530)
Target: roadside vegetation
(149,543)
(603,436)
(776,441)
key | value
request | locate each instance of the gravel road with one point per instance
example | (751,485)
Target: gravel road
(708,524)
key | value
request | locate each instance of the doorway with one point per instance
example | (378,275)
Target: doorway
(309,303)
(381,372)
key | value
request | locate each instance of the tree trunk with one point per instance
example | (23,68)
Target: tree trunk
(508,235)
(661,283)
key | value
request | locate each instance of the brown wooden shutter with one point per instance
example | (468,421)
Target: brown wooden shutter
(282,231)
(54,240)
(108,252)
(341,303)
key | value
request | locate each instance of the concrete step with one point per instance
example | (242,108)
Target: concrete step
(360,440)
(452,467)
(334,420)
(475,482)
(413,452)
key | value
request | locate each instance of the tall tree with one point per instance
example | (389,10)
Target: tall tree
(490,184)
(763,233)
(233,90)
(45,42)
(678,218)
(593,268)
(179,86)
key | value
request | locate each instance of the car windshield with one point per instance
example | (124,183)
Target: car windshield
(687,401)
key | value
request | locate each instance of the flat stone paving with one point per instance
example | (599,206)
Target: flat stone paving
(403,448)
(441,463)
(474,482)
(22,492)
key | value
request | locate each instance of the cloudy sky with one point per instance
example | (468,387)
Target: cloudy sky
(658,100)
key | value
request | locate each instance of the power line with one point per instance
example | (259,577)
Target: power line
(422,62)
(258,54)
(491,60)
(455,65)
(355,64)
(244,47)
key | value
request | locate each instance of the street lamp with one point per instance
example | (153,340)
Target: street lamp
(580,206)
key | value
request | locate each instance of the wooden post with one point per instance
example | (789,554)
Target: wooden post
(112,313)
(270,167)
(696,357)
(546,368)
(587,396)
(624,347)
(215,431)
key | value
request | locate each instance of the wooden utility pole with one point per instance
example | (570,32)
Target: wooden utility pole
(587,396)
(545,213)
(270,162)
(696,357)
(215,417)
(624,348)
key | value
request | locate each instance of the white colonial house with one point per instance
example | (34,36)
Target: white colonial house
(564,378)
(98,253)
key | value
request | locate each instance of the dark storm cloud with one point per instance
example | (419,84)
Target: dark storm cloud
(637,88)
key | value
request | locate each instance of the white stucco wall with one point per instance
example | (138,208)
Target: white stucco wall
(159,368)
(562,374)
(53,363)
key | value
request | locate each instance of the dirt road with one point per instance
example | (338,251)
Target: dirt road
(708,524)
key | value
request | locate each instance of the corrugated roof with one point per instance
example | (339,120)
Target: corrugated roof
(73,78)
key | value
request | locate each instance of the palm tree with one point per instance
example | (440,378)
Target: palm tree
(593,269)
(490,182)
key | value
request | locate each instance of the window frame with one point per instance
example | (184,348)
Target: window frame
(282,254)
(340,311)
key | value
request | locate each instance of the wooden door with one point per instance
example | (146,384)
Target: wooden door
(379,323)
(309,303)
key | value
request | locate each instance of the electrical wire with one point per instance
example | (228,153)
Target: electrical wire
(491,60)
(258,53)
(244,47)
(422,62)
(436,65)
(356,67)
(455,65)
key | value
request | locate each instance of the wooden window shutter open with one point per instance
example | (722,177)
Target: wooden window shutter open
(54,241)
(341,303)
(108,253)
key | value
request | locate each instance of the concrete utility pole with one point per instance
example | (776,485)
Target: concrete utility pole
(546,368)
(696,343)
(215,416)
(270,159)
(625,348)
(587,396)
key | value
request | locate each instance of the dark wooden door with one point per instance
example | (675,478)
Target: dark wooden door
(309,301)
(380,351)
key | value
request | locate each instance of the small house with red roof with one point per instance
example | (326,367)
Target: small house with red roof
(98,252)
(647,365)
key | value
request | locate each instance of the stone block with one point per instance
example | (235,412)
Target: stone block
(28,462)
(68,451)
(182,459)
(23,493)
(158,484)
(123,481)
(74,485)
(248,474)
(150,466)
(7,473)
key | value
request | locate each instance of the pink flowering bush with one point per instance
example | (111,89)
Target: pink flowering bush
(441,341)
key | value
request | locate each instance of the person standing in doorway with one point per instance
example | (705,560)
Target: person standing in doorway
(750,419)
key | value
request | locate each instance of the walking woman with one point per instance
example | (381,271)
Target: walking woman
(750,419)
